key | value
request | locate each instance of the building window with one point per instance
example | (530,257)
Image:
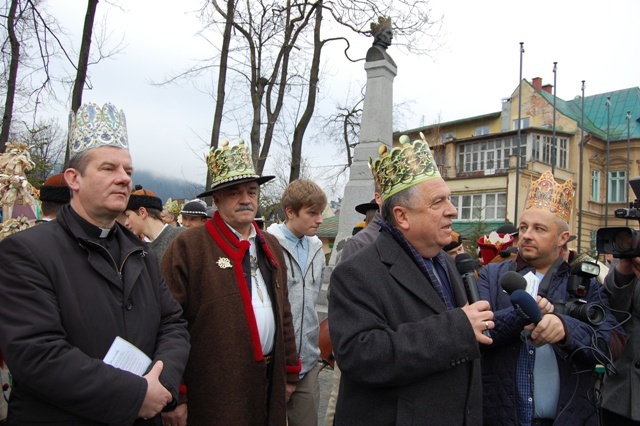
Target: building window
(524,122)
(491,206)
(595,185)
(617,186)
(482,130)
(542,150)
(487,156)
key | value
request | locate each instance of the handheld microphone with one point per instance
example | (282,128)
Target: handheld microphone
(466,267)
(526,306)
(511,281)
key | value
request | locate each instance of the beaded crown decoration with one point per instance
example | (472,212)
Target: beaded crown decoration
(94,126)
(547,194)
(404,166)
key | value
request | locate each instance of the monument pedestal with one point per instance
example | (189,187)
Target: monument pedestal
(376,129)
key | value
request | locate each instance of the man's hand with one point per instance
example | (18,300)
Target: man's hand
(481,319)
(289,390)
(177,417)
(629,266)
(157,396)
(545,306)
(549,330)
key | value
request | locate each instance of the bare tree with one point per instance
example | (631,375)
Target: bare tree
(275,51)
(13,74)
(46,144)
(83,64)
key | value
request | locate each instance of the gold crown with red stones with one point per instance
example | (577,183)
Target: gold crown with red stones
(547,194)
(404,166)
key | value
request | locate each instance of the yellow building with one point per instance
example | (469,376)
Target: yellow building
(477,157)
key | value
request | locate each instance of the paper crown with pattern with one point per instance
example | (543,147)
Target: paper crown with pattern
(231,165)
(547,194)
(172,207)
(404,166)
(94,126)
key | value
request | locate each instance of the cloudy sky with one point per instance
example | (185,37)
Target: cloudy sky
(477,66)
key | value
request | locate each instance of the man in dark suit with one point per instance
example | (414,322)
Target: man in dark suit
(402,331)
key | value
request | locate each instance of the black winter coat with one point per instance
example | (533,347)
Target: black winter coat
(63,305)
(576,361)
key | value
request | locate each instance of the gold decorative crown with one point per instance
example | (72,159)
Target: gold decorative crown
(172,207)
(383,22)
(231,165)
(93,126)
(404,166)
(547,194)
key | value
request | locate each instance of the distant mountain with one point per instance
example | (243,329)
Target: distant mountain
(165,187)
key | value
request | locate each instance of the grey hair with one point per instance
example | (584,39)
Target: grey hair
(404,198)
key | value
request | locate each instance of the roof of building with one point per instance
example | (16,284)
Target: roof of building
(596,117)
(329,227)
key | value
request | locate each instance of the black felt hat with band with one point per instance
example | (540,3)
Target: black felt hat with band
(144,198)
(365,207)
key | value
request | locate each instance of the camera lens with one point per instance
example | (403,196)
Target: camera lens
(623,241)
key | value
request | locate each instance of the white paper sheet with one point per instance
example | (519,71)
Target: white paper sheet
(126,356)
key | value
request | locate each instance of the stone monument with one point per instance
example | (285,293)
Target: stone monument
(376,128)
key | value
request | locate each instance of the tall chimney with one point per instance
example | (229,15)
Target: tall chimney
(537,83)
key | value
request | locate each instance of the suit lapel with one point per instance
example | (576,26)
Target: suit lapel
(404,270)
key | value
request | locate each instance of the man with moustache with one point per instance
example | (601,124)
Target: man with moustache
(72,286)
(402,331)
(231,281)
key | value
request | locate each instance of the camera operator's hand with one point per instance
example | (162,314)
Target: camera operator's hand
(629,266)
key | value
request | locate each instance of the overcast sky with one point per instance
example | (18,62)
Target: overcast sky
(476,67)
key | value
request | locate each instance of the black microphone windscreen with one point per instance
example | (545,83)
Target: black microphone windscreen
(526,306)
(511,281)
(465,263)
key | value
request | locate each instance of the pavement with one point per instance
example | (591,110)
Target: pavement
(325,378)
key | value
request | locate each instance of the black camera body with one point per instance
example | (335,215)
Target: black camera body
(578,287)
(622,242)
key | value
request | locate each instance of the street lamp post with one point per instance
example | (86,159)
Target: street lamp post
(580,186)
(553,142)
(606,174)
(515,212)
(628,157)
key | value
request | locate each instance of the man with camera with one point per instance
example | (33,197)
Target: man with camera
(619,395)
(539,370)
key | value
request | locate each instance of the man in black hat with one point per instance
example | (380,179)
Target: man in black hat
(230,279)
(54,194)
(144,217)
(371,210)
(194,213)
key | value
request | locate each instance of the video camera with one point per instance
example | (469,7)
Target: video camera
(622,242)
(578,287)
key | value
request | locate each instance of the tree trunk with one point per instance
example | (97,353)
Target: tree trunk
(303,123)
(13,76)
(83,64)
(222,81)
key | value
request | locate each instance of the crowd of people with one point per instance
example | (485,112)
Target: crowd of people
(115,312)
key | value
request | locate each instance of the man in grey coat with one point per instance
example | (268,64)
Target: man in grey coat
(402,331)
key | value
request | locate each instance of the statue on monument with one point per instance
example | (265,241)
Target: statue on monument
(382,37)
